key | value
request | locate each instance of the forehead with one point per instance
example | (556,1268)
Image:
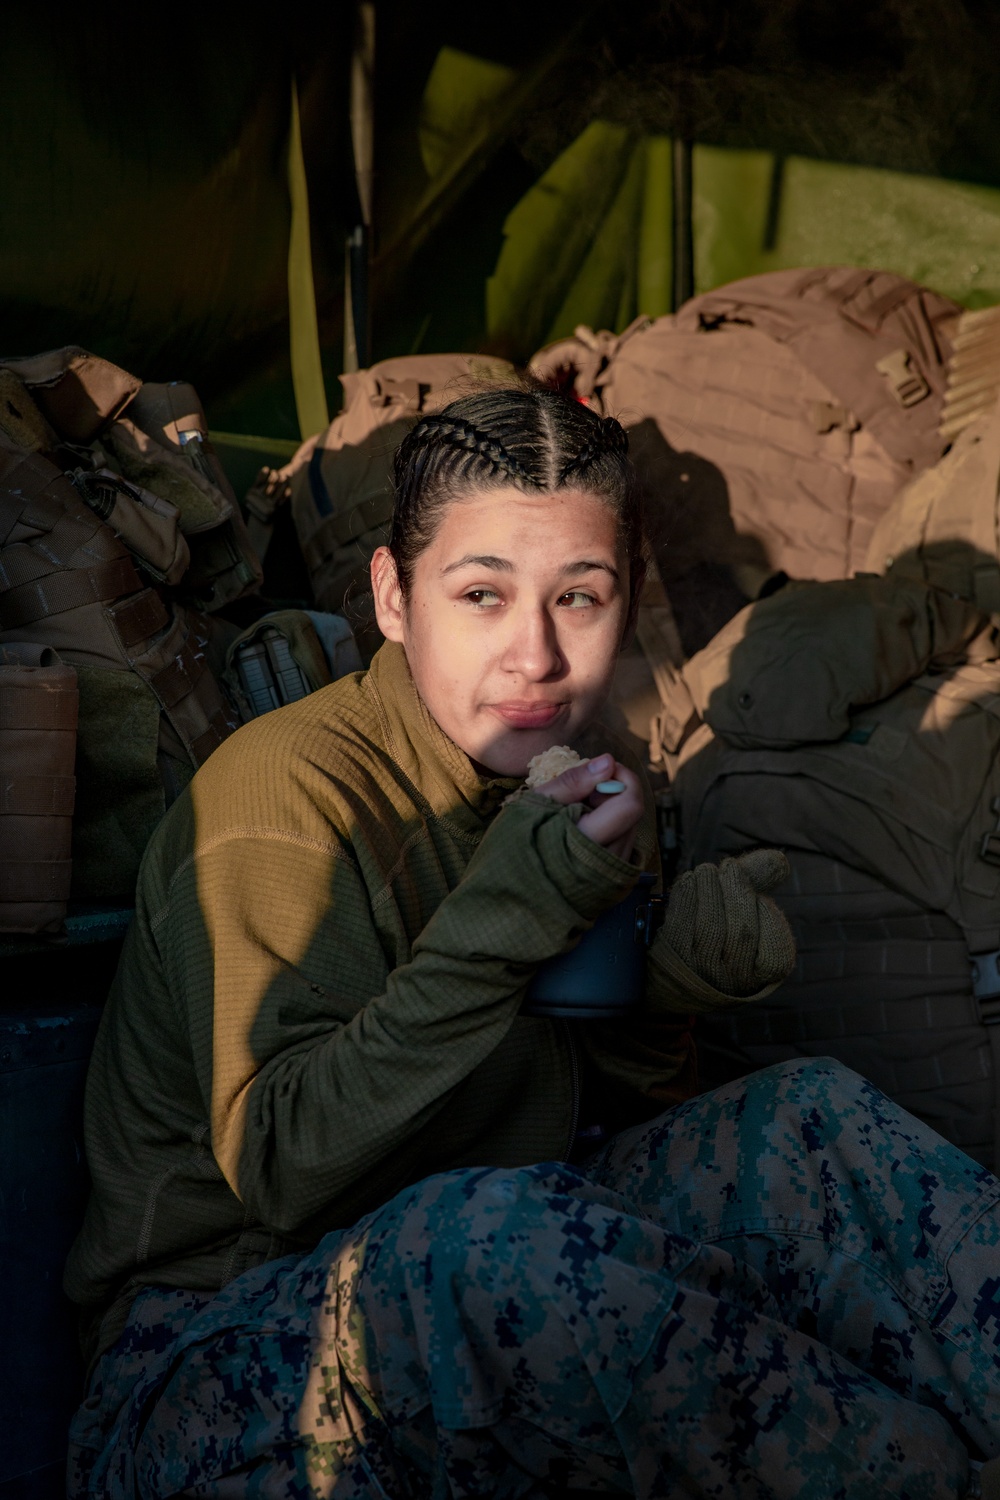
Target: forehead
(512,523)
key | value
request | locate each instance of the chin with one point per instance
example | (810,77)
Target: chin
(511,755)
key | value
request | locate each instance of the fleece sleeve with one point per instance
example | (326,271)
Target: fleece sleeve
(311,1078)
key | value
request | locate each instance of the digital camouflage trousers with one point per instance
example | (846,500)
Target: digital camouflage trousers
(786,1288)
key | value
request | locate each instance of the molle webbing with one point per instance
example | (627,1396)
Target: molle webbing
(38,716)
(177,670)
(58,592)
(884,987)
(67,562)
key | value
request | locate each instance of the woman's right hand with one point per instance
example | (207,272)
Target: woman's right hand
(613,818)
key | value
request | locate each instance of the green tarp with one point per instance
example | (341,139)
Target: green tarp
(522,175)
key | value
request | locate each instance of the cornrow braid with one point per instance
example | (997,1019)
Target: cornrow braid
(610,438)
(534,439)
(461,434)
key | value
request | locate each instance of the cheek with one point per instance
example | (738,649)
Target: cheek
(446,661)
(593,653)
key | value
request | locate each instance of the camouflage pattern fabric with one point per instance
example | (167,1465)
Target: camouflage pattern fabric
(788,1287)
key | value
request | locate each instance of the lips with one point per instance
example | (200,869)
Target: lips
(528,715)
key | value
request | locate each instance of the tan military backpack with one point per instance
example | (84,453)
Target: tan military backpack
(944,527)
(771,421)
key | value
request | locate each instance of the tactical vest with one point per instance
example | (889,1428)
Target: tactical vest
(771,423)
(161,443)
(889,811)
(69,582)
(117,532)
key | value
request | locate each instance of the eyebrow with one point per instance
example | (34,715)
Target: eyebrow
(498,564)
(502,565)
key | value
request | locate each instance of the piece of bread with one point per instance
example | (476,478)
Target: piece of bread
(551,763)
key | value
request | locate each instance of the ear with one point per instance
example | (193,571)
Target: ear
(388,595)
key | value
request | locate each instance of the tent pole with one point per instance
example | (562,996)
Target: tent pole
(683,231)
(357,312)
(303,326)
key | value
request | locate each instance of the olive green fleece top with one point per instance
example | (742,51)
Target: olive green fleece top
(317,1002)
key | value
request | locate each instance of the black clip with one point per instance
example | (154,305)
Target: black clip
(648,918)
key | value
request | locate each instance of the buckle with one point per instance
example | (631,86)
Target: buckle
(907,384)
(986,985)
(649,916)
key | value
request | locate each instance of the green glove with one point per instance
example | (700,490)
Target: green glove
(724,939)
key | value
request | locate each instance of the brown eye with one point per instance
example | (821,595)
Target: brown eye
(576,599)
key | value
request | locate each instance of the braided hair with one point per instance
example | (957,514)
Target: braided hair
(536,440)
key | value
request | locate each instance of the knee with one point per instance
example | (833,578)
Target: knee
(816,1095)
(805,1078)
(455,1222)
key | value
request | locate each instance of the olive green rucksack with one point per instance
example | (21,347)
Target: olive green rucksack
(856,725)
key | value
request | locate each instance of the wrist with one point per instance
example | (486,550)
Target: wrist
(678,987)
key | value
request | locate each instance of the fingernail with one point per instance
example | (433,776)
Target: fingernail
(602,763)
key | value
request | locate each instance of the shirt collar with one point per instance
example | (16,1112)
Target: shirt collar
(442,773)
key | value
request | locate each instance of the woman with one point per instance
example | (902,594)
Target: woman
(785,1287)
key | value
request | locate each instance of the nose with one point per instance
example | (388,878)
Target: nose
(532,650)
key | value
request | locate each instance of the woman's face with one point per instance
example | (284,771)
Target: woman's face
(514,620)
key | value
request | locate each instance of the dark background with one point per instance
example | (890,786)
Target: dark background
(143,200)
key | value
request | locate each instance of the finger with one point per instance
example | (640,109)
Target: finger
(709,936)
(616,781)
(764,868)
(615,817)
(776,944)
(682,915)
(742,905)
(622,848)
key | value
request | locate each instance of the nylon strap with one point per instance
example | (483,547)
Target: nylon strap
(25,496)
(32,706)
(35,880)
(138,618)
(220,727)
(187,692)
(71,589)
(38,796)
(340,530)
(874,315)
(179,677)
(869,1018)
(11,507)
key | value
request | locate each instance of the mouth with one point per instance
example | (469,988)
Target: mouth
(526,715)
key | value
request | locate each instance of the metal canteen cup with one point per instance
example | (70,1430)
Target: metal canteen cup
(604,975)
